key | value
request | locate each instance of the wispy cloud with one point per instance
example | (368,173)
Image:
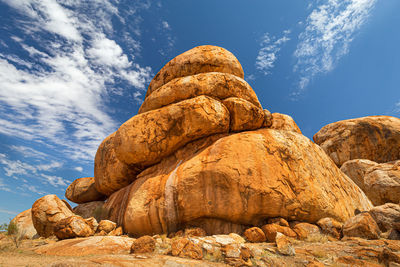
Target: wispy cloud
(4,187)
(79,169)
(59,97)
(28,152)
(10,212)
(268,54)
(329,31)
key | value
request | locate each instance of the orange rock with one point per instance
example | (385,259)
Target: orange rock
(284,245)
(144,244)
(116,232)
(24,224)
(106,226)
(92,222)
(83,190)
(271,230)
(284,122)
(110,173)
(380,182)
(258,175)
(279,221)
(255,235)
(267,118)
(196,231)
(386,215)
(306,230)
(214,84)
(244,115)
(183,247)
(71,227)
(201,59)
(147,138)
(330,226)
(47,211)
(93,245)
(361,225)
(376,138)
(114,207)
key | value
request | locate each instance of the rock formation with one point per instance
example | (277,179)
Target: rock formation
(379,181)
(24,224)
(376,138)
(202,152)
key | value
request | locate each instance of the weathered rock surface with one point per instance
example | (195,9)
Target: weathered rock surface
(271,231)
(330,226)
(386,215)
(71,227)
(186,248)
(109,172)
(149,137)
(284,245)
(376,138)
(83,190)
(284,122)
(89,209)
(106,226)
(306,230)
(144,244)
(260,174)
(213,84)
(255,235)
(361,225)
(380,182)
(93,245)
(24,224)
(47,211)
(201,59)
(244,115)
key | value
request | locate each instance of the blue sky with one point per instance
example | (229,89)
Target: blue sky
(72,71)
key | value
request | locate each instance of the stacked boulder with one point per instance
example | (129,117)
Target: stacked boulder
(202,152)
(368,151)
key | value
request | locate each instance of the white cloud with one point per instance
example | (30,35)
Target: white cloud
(268,54)
(79,169)
(28,152)
(31,188)
(165,25)
(61,100)
(16,167)
(4,187)
(55,181)
(10,212)
(330,29)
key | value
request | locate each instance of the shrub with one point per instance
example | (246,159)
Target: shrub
(15,234)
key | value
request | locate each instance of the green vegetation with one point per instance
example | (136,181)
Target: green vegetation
(3,227)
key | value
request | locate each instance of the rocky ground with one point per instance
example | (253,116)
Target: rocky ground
(221,250)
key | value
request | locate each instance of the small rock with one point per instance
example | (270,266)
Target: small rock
(231,250)
(237,238)
(278,221)
(106,226)
(330,226)
(284,245)
(306,230)
(255,235)
(197,231)
(92,223)
(116,232)
(71,227)
(267,118)
(183,247)
(271,230)
(144,244)
(361,225)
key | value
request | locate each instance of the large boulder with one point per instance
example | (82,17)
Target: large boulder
(83,190)
(111,174)
(284,122)
(201,59)
(379,181)
(376,138)
(386,215)
(47,211)
(258,175)
(361,225)
(147,138)
(214,84)
(244,115)
(24,224)
(89,209)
